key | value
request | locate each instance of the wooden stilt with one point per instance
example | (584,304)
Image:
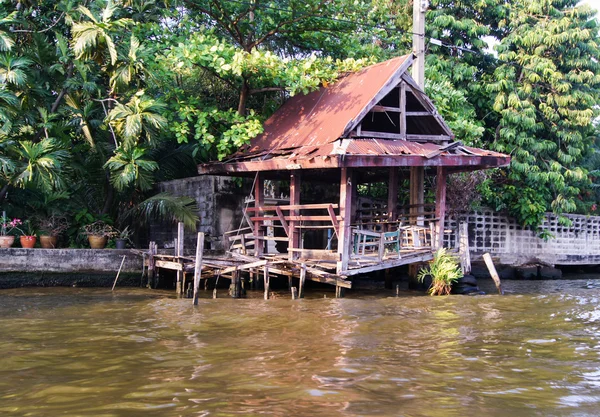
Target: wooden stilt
(266,277)
(440,206)
(339,292)
(179,252)
(293,232)
(259,200)
(236,287)
(198,265)
(490,265)
(302,280)
(463,247)
(290,282)
(344,237)
(392,205)
(417,194)
(294,293)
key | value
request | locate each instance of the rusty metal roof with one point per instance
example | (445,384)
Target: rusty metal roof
(323,116)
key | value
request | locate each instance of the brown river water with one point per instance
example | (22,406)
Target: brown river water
(136,352)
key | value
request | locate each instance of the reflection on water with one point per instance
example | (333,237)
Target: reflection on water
(90,352)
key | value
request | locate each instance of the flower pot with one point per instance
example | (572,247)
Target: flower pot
(6,241)
(48,242)
(120,243)
(97,242)
(28,242)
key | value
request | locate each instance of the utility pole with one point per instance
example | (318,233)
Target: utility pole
(417,174)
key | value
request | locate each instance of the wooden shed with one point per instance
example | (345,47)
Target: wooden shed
(375,125)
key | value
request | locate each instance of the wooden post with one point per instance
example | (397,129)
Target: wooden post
(198,265)
(417,195)
(151,264)
(294,234)
(117,277)
(179,252)
(302,280)
(440,205)
(259,202)
(266,276)
(392,204)
(463,247)
(397,290)
(339,292)
(294,293)
(490,265)
(344,238)
(236,287)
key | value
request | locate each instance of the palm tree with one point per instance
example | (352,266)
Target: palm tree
(41,165)
(13,70)
(92,38)
(140,117)
(128,168)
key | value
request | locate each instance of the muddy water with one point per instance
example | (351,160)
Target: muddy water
(89,352)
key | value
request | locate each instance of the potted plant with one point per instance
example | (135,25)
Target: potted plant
(98,233)
(123,236)
(444,271)
(8,229)
(51,227)
(28,238)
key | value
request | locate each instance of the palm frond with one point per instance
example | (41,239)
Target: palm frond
(165,207)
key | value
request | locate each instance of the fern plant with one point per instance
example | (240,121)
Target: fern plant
(444,270)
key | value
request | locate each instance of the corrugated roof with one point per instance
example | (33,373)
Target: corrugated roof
(322,116)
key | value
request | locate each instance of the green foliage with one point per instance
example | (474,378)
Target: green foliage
(444,270)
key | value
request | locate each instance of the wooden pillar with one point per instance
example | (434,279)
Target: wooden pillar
(302,281)
(347,186)
(440,204)
(417,194)
(392,204)
(236,285)
(151,264)
(178,253)
(294,232)
(259,202)
(198,265)
(266,278)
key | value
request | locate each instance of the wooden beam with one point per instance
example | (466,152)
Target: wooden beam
(259,202)
(282,220)
(179,252)
(406,259)
(417,195)
(347,183)
(440,205)
(392,203)
(175,266)
(198,266)
(294,233)
(382,109)
(296,207)
(403,107)
(316,254)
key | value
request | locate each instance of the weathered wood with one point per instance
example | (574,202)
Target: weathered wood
(392,203)
(295,206)
(490,265)
(236,288)
(403,107)
(382,109)
(317,254)
(259,202)
(294,291)
(282,220)
(339,292)
(440,206)
(334,220)
(118,272)
(266,279)
(179,252)
(295,218)
(406,259)
(347,183)
(294,233)
(302,280)
(463,247)
(175,266)
(198,265)
(417,196)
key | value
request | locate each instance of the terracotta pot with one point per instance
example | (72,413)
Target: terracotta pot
(48,242)
(28,242)
(6,241)
(97,242)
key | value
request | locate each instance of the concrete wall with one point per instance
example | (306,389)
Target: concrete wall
(68,260)
(503,238)
(220,201)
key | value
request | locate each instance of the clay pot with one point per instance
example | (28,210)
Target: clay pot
(48,242)
(6,241)
(28,242)
(97,242)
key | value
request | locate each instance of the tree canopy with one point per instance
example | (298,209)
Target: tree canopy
(100,100)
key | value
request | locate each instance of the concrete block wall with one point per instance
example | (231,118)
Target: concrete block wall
(219,200)
(502,237)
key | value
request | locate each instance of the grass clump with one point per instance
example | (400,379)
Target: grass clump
(444,270)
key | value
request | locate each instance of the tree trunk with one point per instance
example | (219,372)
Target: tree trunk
(3,192)
(243,98)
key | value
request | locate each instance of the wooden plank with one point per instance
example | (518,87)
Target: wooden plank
(403,107)
(175,266)
(198,266)
(247,217)
(316,254)
(296,207)
(250,265)
(334,221)
(282,221)
(490,265)
(406,259)
(381,109)
(295,218)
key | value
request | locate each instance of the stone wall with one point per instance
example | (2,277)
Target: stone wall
(68,260)
(219,200)
(503,238)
